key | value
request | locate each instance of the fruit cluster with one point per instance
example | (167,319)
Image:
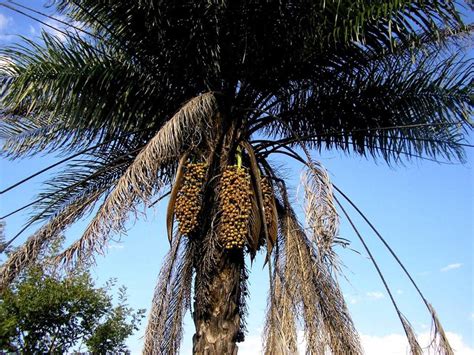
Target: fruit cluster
(235,205)
(188,201)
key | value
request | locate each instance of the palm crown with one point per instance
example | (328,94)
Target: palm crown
(190,98)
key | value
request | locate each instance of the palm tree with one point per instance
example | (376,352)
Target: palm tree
(189,99)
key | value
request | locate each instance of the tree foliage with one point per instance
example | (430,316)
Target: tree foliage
(45,313)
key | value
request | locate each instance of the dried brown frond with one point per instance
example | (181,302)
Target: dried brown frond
(28,253)
(171,300)
(280,334)
(321,214)
(439,343)
(255,226)
(185,129)
(257,186)
(415,348)
(271,215)
(320,209)
(318,298)
(298,281)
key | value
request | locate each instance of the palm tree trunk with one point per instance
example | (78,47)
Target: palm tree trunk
(219,273)
(218,329)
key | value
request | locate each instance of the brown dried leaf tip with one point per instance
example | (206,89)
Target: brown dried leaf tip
(270,208)
(267,199)
(235,205)
(188,201)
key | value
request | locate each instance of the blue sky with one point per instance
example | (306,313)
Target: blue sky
(424,210)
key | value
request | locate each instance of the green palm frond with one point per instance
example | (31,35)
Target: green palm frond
(28,253)
(300,94)
(73,85)
(448,39)
(305,29)
(21,136)
(25,136)
(80,178)
(389,107)
(89,175)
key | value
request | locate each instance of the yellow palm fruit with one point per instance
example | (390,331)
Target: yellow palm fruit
(189,198)
(234,203)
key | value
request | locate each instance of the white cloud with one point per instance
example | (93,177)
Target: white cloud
(371,295)
(59,29)
(391,344)
(424,326)
(115,246)
(32,30)
(396,344)
(51,26)
(251,346)
(351,298)
(5,22)
(451,267)
(375,295)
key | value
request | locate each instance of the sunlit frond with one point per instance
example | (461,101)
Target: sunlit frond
(143,178)
(21,136)
(69,94)
(320,211)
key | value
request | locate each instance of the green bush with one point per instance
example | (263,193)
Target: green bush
(45,312)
